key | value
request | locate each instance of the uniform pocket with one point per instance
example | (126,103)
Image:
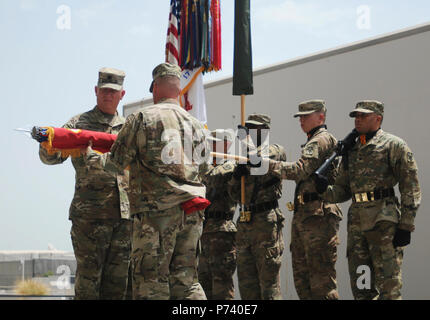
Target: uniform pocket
(273,259)
(273,252)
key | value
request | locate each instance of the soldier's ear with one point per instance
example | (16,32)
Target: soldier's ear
(96,90)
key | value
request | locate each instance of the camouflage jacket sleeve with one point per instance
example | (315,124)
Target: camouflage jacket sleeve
(406,173)
(205,170)
(220,175)
(224,170)
(124,150)
(302,168)
(56,158)
(340,191)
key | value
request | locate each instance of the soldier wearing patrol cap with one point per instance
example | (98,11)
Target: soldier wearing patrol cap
(101,228)
(217,262)
(166,233)
(315,225)
(378,225)
(259,236)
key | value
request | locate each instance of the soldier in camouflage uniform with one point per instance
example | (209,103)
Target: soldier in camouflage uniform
(101,228)
(217,262)
(378,225)
(163,176)
(259,236)
(315,225)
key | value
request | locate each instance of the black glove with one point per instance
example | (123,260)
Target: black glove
(39,134)
(321,183)
(240,171)
(401,238)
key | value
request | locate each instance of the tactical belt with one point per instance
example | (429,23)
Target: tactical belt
(218,215)
(377,194)
(262,207)
(307,197)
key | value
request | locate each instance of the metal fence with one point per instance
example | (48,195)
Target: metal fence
(13,271)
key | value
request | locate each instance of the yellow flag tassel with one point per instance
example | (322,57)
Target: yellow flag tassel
(47,145)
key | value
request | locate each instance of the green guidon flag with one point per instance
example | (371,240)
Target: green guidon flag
(242,65)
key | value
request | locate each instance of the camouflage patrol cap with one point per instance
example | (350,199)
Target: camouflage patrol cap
(165,69)
(311,106)
(258,120)
(368,106)
(111,78)
(217,134)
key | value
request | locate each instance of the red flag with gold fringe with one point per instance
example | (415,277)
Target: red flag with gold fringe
(70,141)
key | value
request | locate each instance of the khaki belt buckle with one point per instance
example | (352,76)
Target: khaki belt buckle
(301,199)
(290,206)
(245,216)
(362,197)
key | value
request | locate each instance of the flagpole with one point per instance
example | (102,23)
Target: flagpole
(242,72)
(228,156)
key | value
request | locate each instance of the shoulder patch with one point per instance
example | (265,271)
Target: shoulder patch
(310,150)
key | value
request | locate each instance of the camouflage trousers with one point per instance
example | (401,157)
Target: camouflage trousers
(313,258)
(260,245)
(129,293)
(102,250)
(373,250)
(165,255)
(217,265)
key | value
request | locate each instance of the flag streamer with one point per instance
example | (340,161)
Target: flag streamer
(194,43)
(194,34)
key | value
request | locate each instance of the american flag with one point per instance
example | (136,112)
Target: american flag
(194,44)
(172,43)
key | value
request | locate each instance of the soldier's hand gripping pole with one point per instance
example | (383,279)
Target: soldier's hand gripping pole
(342,148)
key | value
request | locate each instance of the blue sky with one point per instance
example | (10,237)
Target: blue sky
(48,75)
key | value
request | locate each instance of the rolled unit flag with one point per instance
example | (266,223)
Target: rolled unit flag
(242,63)
(70,141)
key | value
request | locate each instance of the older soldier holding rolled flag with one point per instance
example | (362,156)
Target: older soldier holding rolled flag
(101,228)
